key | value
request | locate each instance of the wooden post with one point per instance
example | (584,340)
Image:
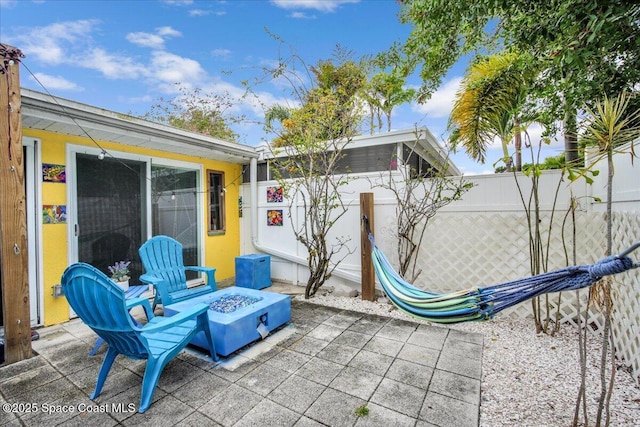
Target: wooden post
(368,279)
(13,213)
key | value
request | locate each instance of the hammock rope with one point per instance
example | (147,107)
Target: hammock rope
(482,303)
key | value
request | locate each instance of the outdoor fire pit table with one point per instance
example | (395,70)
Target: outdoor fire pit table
(238,316)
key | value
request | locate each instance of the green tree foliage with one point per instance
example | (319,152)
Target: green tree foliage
(309,145)
(554,162)
(275,115)
(585,48)
(386,91)
(344,80)
(333,99)
(489,105)
(340,84)
(195,111)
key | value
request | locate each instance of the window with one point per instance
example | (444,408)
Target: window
(216,201)
(174,208)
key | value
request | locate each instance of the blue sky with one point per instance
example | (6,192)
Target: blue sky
(123,55)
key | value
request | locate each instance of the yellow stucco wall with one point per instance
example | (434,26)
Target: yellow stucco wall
(220,249)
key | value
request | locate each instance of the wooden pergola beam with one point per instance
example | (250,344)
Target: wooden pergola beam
(13,214)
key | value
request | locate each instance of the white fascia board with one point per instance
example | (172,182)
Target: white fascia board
(142,132)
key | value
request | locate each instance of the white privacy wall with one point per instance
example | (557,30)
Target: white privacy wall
(483,239)
(283,239)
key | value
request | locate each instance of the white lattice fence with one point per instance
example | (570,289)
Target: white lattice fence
(626,294)
(481,249)
(483,240)
(461,250)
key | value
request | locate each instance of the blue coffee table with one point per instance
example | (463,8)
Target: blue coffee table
(238,316)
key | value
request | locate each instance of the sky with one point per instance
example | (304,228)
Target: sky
(124,55)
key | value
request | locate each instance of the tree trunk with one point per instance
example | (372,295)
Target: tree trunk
(518,144)
(505,153)
(570,137)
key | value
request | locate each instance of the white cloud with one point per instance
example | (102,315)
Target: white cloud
(137,99)
(199,12)
(221,52)
(321,5)
(168,32)
(111,65)
(48,52)
(534,134)
(51,44)
(301,15)
(170,68)
(55,82)
(8,3)
(153,41)
(178,2)
(441,102)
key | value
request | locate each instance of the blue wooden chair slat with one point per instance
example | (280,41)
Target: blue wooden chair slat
(164,267)
(102,306)
(131,295)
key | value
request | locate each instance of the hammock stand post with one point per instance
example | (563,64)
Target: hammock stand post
(368,275)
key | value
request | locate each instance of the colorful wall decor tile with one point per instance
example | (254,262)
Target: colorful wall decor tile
(274,217)
(54,214)
(274,194)
(53,173)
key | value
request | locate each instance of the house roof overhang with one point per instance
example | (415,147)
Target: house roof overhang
(421,140)
(44,112)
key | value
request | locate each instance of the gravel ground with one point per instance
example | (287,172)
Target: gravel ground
(529,379)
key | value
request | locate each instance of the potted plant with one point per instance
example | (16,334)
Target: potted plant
(120,274)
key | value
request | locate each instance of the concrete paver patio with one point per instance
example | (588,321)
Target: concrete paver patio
(317,370)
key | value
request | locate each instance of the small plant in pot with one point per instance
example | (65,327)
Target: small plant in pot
(120,273)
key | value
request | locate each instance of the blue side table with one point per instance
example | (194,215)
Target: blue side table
(253,271)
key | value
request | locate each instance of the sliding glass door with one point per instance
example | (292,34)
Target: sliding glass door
(121,201)
(111,219)
(174,208)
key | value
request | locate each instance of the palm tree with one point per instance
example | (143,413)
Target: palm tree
(277,113)
(488,105)
(388,91)
(611,124)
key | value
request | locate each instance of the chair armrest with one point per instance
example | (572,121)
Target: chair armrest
(199,268)
(150,279)
(144,302)
(167,322)
(156,281)
(210,273)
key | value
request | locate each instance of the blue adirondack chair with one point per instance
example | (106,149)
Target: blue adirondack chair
(162,260)
(102,306)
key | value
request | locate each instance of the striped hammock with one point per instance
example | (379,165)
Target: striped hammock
(483,303)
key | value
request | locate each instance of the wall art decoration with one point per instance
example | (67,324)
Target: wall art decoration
(274,194)
(274,217)
(54,214)
(53,173)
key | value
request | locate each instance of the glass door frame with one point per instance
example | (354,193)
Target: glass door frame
(33,185)
(72,201)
